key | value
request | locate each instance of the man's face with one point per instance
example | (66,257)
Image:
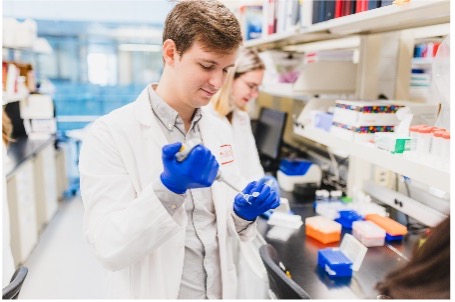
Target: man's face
(199,74)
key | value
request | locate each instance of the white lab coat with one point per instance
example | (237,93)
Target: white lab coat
(252,275)
(132,234)
(245,149)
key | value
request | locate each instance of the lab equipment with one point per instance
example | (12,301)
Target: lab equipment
(305,192)
(340,262)
(178,177)
(285,220)
(322,229)
(284,225)
(394,230)
(269,134)
(186,148)
(347,217)
(298,171)
(330,210)
(369,233)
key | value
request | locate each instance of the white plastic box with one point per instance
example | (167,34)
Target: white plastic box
(365,113)
(369,233)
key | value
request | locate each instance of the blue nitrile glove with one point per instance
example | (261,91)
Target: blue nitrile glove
(272,182)
(197,170)
(267,199)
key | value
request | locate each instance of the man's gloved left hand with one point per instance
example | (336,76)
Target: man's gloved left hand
(267,199)
(272,182)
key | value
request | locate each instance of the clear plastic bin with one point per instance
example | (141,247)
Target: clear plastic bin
(369,233)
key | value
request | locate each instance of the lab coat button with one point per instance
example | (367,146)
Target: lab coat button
(173,206)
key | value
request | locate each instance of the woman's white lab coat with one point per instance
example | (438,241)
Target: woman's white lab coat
(131,233)
(244,143)
(253,282)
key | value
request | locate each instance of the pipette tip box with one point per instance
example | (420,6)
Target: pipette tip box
(347,217)
(342,261)
(394,230)
(368,233)
(323,229)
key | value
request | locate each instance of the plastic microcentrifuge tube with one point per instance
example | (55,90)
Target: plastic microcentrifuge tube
(247,196)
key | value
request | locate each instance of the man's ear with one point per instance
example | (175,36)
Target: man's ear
(169,52)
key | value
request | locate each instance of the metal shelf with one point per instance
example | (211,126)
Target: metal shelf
(415,170)
(388,18)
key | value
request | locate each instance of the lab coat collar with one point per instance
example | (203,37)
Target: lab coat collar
(143,109)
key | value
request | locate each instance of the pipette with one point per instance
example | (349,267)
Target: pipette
(185,150)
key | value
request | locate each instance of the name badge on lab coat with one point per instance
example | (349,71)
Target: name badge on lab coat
(226,154)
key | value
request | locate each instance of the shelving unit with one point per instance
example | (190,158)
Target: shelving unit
(284,90)
(366,151)
(384,19)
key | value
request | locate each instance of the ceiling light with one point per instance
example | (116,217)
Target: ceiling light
(140,47)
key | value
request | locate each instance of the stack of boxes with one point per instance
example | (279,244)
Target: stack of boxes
(359,120)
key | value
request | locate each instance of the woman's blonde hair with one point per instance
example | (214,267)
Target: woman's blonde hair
(248,60)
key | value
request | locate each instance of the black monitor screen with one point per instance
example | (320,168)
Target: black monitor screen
(269,132)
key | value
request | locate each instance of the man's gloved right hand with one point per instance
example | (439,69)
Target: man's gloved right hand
(197,170)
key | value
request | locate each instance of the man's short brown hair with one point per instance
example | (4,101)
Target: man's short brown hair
(205,21)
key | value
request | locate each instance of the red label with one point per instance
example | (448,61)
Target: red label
(226,154)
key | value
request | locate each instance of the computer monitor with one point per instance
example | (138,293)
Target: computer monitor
(269,134)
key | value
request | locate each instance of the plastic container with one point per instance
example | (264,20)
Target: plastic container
(322,229)
(446,147)
(437,145)
(330,210)
(365,208)
(335,195)
(414,134)
(320,196)
(347,217)
(342,261)
(369,233)
(297,171)
(424,140)
(393,229)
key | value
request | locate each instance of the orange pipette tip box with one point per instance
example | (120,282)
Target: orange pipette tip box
(389,225)
(323,229)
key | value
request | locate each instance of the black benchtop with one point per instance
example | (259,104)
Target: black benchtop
(299,255)
(22,150)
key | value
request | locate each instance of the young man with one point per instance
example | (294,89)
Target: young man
(164,228)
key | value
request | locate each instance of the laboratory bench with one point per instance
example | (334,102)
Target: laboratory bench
(35,181)
(299,255)
(23,149)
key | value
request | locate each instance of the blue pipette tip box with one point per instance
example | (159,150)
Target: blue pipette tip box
(347,217)
(340,262)
(389,237)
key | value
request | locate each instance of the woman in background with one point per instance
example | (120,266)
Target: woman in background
(230,104)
